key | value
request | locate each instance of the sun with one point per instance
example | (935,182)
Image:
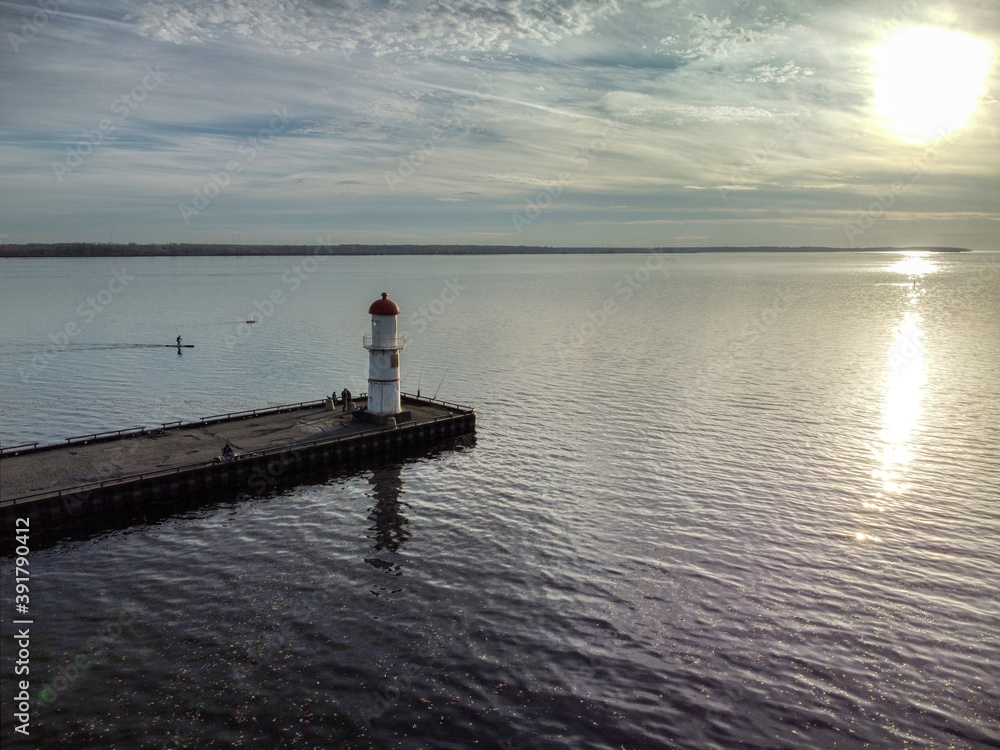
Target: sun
(928,81)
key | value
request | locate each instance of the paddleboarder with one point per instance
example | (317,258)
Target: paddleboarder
(178,342)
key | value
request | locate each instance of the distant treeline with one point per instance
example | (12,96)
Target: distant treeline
(109,250)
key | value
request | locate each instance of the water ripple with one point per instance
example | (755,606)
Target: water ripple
(668,533)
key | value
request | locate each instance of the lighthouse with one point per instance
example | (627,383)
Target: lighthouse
(384,344)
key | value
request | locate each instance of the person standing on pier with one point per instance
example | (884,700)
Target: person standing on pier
(346,396)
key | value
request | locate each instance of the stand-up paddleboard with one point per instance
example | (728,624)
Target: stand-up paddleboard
(102,347)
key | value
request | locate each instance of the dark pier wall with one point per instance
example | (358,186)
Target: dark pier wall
(250,475)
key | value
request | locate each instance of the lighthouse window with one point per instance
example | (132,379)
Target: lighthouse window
(395,359)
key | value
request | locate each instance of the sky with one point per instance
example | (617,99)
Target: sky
(652,123)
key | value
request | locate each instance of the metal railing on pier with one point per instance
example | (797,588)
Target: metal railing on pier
(280,450)
(97,437)
(128,432)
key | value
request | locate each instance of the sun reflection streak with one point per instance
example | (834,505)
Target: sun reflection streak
(905,380)
(914,264)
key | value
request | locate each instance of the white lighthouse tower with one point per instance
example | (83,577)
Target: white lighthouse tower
(384,344)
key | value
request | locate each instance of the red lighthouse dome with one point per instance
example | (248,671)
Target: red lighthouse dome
(384,306)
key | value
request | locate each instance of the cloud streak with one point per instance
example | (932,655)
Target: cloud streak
(772,101)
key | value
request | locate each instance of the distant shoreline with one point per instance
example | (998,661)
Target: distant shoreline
(133,250)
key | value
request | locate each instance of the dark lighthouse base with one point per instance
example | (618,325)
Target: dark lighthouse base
(363,415)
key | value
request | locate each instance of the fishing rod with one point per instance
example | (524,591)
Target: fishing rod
(441,383)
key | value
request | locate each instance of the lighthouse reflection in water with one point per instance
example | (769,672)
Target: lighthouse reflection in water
(389,528)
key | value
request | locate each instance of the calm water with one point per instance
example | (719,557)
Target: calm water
(729,502)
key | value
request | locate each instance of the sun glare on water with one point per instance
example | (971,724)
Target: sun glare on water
(928,81)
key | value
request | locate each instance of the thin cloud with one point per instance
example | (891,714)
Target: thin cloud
(440,121)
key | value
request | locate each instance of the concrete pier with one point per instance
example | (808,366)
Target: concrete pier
(128,469)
